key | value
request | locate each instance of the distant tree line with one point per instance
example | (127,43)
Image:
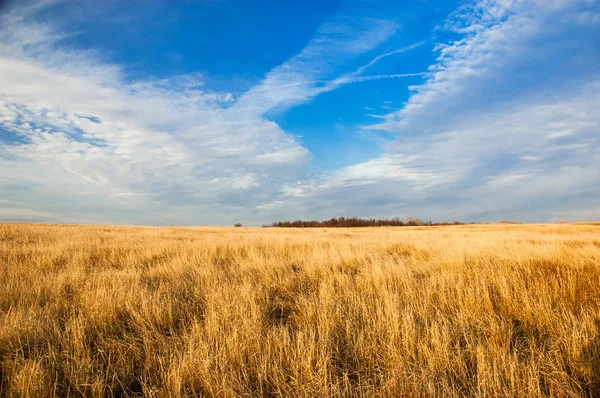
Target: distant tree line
(354,222)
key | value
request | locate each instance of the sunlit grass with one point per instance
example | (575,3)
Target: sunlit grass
(495,310)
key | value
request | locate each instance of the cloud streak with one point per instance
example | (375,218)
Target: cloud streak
(313,71)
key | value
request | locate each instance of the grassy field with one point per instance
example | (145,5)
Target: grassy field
(487,310)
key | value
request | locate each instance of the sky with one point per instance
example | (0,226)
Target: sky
(214,112)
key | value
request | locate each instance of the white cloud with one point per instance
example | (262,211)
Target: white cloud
(315,69)
(24,215)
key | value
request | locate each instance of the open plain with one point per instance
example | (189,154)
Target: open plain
(478,310)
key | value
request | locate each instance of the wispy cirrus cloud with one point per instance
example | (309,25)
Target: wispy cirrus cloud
(315,69)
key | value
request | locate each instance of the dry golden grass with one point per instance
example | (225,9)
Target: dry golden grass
(495,310)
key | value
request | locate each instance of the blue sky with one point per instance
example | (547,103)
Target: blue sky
(224,111)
